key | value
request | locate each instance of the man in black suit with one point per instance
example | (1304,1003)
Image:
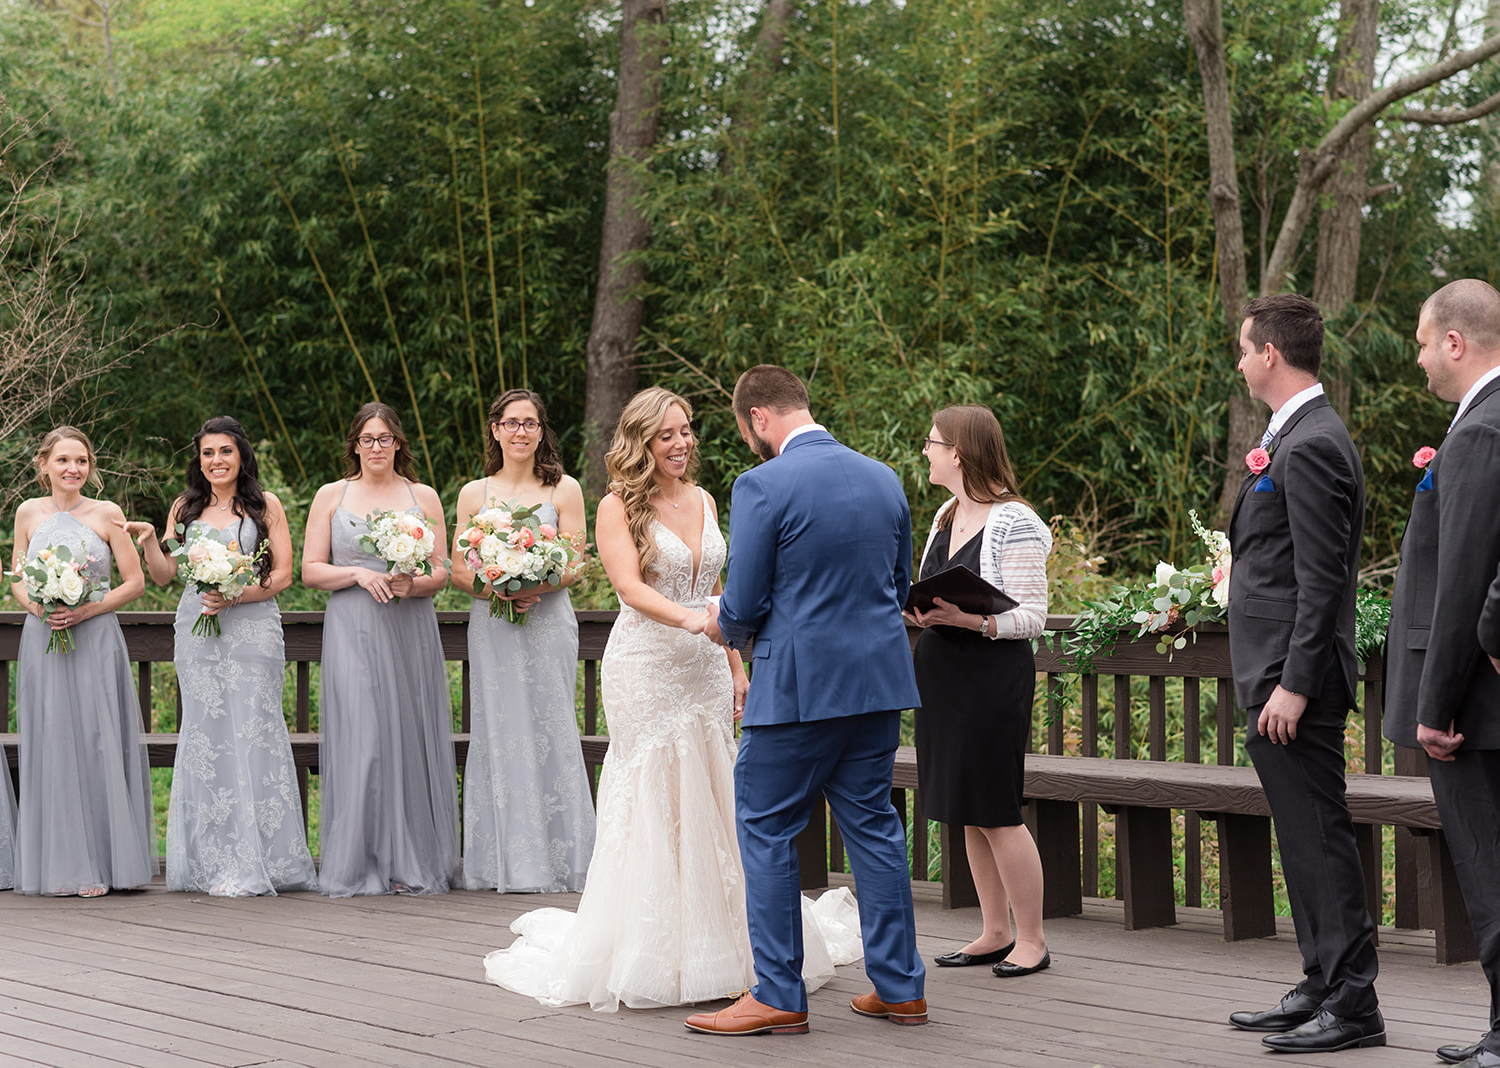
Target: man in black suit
(1295,534)
(1442,682)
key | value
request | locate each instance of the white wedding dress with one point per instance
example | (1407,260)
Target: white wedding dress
(662,917)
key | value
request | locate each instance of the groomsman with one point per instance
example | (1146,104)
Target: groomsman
(1442,690)
(1295,533)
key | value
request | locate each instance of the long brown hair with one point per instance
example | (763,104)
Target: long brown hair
(403,464)
(979,443)
(631,467)
(544,462)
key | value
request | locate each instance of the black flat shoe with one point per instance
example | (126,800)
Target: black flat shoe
(1294,1010)
(1458,1054)
(1325,1033)
(1006,970)
(960,959)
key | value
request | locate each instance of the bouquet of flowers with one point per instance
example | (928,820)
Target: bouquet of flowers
(512,550)
(1171,604)
(210,564)
(402,540)
(53,577)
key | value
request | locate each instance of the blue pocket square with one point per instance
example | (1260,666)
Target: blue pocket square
(1426,483)
(1265,485)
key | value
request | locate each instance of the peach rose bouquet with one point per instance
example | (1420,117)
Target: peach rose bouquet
(509,548)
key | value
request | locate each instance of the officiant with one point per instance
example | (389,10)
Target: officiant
(977,678)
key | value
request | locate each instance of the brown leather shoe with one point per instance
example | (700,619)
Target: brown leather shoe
(748,1017)
(902,1012)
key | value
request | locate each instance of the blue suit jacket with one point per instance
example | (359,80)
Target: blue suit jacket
(819,563)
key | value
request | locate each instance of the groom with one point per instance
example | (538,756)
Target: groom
(819,562)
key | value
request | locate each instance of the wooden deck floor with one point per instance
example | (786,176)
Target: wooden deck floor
(157,979)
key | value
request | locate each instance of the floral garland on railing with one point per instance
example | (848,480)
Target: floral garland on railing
(1175,601)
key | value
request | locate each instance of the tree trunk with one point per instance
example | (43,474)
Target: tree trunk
(745,111)
(618,310)
(1205,26)
(1342,219)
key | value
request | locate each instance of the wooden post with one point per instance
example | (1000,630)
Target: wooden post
(958,879)
(1245,876)
(1054,825)
(1143,866)
(1451,928)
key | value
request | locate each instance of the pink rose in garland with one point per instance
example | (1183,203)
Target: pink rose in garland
(1257,460)
(1423,456)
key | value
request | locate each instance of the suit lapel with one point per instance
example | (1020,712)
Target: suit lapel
(1483,395)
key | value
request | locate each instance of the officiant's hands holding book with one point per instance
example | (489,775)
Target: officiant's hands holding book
(944,614)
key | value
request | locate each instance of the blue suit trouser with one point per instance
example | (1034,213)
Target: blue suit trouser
(780,771)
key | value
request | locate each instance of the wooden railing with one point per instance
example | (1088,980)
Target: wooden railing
(1121,710)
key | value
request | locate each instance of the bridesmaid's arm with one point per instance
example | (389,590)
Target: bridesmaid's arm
(162,568)
(279,534)
(463,575)
(26,522)
(622,563)
(427,585)
(132,579)
(317,572)
(572,523)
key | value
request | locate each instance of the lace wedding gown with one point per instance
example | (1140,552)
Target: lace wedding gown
(662,917)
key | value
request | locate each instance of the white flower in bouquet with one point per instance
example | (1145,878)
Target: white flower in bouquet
(55,577)
(404,541)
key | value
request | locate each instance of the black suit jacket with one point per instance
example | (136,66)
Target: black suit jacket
(1435,670)
(1295,536)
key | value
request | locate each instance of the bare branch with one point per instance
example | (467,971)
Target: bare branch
(1451,116)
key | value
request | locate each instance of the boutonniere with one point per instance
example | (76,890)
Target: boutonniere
(1257,460)
(1423,456)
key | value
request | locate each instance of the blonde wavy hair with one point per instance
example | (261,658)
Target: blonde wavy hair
(631,468)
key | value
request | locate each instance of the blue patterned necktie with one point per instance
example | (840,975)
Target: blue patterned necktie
(1265,439)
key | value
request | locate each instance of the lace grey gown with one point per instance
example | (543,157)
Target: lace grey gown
(528,815)
(234,823)
(7,830)
(85,813)
(388,783)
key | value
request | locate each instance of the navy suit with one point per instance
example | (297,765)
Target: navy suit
(1445,616)
(819,563)
(1295,533)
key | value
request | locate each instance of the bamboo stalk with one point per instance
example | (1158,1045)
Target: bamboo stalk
(255,364)
(463,282)
(489,233)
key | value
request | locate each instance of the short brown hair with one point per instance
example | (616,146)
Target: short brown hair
(1293,324)
(1470,307)
(767,386)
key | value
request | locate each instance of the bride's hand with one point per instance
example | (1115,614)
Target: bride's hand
(695,623)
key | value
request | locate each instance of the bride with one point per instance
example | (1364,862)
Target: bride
(662,917)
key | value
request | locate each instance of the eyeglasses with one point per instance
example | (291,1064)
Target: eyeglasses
(928,443)
(369,441)
(510,426)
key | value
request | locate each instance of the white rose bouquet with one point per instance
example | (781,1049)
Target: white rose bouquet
(512,550)
(402,540)
(53,577)
(210,564)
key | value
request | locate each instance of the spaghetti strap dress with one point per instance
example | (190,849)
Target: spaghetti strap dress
(234,823)
(388,787)
(528,814)
(85,817)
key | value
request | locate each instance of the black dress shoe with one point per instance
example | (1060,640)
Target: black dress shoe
(960,959)
(1325,1033)
(1006,970)
(1481,1058)
(1294,1010)
(1458,1054)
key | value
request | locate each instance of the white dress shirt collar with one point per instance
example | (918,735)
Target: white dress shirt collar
(803,429)
(1287,410)
(1484,380)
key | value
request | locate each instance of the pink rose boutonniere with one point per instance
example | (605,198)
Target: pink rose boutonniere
(1257,460)
(1423,456)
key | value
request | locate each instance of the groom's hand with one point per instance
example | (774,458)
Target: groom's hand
(711,629)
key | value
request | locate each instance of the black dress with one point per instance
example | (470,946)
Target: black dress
(975,718)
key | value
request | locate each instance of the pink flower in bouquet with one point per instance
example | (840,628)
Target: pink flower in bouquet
(548,531)
(1257,460)
(494,572)
(197,552)
(474,560)
(523,538)
(475,536)
(1423,456)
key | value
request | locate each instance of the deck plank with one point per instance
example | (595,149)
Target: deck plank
(152,978)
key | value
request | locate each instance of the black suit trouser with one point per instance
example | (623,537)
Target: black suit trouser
(1304,783)
(1467,791)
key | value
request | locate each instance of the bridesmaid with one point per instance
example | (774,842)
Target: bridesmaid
(234,823)
(85,821)
(388,783)
(528,815)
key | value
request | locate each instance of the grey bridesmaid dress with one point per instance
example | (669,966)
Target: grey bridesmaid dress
(7,830)
(388,785)
(528,813)
(85,816)
(234,824)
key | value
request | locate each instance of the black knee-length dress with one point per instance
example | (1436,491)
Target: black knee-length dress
(975,717)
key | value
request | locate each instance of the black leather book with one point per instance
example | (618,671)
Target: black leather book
(960,587)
